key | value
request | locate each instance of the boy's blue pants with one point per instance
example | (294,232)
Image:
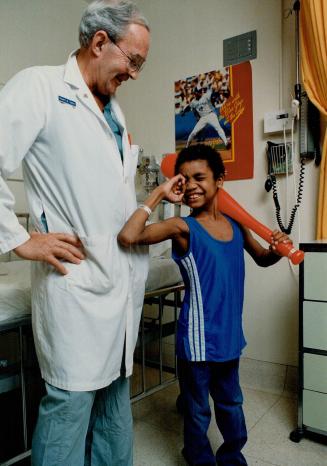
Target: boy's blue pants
(84,428)
(221,381)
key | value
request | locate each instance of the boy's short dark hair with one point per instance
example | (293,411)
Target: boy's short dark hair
(202,152)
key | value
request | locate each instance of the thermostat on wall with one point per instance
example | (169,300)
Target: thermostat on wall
(275,122)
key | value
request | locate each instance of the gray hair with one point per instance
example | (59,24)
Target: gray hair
(111,16)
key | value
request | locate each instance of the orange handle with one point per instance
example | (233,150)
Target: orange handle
(168,165)
(229,206)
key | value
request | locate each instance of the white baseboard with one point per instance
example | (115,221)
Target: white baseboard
(268,376)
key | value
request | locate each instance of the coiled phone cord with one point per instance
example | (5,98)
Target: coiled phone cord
(289,227)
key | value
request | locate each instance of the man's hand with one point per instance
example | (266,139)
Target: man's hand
(51,248)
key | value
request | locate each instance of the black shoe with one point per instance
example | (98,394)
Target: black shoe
(196,464)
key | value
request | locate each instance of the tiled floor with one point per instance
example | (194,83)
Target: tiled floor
(270,418)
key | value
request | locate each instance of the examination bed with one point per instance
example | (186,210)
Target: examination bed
(163,289)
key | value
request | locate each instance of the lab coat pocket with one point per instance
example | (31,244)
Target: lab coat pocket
(38,216)
(135,150)
(95,273)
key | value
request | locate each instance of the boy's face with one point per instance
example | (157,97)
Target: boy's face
(200,186)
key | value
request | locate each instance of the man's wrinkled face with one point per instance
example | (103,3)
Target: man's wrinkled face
(122,60)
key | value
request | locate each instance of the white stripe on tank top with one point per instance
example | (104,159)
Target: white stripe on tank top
(196,317)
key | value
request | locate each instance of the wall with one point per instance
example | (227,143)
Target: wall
(186,40)
(36,32)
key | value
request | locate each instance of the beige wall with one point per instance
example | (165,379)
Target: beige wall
(187,39)
(36,32)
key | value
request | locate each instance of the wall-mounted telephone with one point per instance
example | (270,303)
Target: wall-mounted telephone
(280,156)
(280,161)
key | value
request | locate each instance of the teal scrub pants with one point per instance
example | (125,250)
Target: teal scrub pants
(92,428)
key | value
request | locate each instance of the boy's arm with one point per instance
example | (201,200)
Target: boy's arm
(263,256)
(135,231)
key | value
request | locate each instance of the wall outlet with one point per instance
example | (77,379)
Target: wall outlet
(274,122)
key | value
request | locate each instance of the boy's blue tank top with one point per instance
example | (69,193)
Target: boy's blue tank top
(210,321)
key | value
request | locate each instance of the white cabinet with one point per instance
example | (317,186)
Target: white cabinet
(314,410)
(315,373)
(312,406)
(315,324)
(315,276)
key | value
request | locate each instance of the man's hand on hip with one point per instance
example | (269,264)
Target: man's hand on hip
(52,248)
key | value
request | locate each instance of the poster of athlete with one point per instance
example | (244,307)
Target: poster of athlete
(215,108)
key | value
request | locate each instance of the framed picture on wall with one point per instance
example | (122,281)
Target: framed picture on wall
(215,108)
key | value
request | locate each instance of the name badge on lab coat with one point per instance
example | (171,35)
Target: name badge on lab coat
(64,100)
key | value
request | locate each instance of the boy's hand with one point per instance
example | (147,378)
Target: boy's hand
(173,189)
(278,237)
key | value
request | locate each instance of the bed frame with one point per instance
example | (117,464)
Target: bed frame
(150,329)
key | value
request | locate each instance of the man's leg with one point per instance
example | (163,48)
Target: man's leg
(59,436)
(214,122)
(227,396)
(198,127)
(110,438)
(195,381)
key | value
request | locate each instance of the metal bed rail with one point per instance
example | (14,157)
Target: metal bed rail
(19,325)
(5,327)
(159,331)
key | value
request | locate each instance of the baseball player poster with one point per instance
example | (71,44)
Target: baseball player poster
(215,108)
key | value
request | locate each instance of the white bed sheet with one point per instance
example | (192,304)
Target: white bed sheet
(163,272)
(15,284)
(15,290)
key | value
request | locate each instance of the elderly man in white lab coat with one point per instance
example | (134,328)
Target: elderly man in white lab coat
(65,125)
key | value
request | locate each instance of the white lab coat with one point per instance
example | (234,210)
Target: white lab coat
(74,174)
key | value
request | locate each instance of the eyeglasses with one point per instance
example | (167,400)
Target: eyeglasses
(133,63)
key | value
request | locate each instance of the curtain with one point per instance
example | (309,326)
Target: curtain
(313,37)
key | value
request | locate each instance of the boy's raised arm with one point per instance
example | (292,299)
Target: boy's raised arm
(135,231)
